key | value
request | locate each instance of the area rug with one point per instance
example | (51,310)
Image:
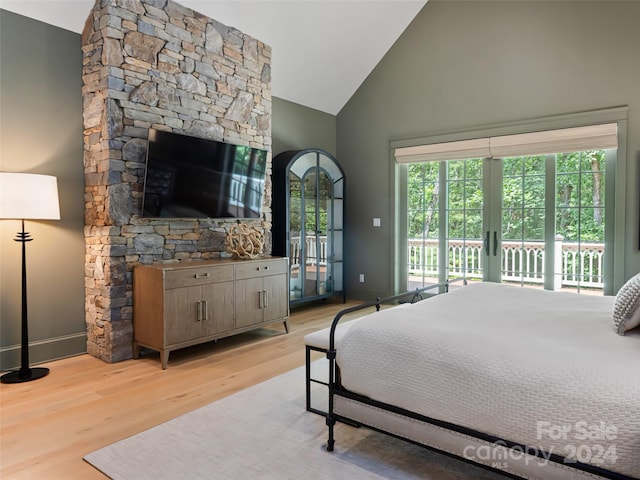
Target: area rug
(264,432)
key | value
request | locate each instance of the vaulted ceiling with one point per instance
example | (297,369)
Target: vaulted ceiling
(322,49)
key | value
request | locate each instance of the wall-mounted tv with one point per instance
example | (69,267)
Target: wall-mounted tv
(190,177)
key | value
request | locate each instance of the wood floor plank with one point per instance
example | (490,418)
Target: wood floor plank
(84,404)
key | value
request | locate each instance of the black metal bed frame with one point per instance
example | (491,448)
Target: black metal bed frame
(335,389)
(416,295)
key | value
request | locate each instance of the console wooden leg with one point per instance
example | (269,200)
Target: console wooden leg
(164,356)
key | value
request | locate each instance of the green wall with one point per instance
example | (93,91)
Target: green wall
(295,127)
(41,132)
(464,65)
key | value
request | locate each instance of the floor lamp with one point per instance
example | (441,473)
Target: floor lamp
(26,196)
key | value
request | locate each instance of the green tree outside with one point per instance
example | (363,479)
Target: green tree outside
(580,191)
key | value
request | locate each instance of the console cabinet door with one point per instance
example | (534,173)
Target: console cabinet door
(277,303)
(249,309)
(194,312)
(217,314)
(261,292)
(181,314)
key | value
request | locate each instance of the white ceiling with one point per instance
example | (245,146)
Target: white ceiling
(322,49)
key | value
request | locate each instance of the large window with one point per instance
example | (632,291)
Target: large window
(534,210)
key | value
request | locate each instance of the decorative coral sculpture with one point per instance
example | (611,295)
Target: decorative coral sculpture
(244,241)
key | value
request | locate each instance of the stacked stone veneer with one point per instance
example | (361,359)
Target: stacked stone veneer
(156,64)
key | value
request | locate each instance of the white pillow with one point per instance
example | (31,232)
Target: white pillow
(626,308)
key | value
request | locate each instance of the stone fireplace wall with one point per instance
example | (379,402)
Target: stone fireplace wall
(156,64)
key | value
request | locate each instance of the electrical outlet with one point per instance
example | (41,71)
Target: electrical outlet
(362,278)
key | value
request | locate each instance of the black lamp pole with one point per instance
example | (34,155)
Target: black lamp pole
(25,374)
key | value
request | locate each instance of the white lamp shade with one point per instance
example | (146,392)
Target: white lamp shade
(29,196)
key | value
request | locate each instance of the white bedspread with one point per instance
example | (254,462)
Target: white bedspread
(538,368)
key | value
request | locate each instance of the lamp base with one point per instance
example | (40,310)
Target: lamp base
(17,377)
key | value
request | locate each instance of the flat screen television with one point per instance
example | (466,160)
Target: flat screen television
(190,177)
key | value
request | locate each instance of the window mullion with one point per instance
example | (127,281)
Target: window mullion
(551,280)
(443,223)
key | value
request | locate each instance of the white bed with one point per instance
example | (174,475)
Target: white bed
(516,366)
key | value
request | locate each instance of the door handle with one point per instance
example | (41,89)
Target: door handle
(495,243)
(199,311)
(486,243)
(263,299)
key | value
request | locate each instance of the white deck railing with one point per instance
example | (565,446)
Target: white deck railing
(521,261)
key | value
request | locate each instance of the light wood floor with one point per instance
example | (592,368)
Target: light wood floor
(48,425)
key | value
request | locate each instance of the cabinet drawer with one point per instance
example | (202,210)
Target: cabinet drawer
(260,269)
(187,277)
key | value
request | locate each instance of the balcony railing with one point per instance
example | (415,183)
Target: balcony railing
(575,264)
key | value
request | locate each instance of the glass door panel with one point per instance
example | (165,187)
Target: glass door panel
(335,227)
(324,233)
(465,200)
(522,241)
(580,220)
(423,188)
(296,244)
(311,232)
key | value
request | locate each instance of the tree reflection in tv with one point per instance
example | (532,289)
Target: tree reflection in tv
(190,177)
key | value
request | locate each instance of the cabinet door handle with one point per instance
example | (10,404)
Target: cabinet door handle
(199,311)
(486,243)
(495,243)
(260,299)
(202,275)
(205,314)
(265,303)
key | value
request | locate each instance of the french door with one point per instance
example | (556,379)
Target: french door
(515,241)
(536,221)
